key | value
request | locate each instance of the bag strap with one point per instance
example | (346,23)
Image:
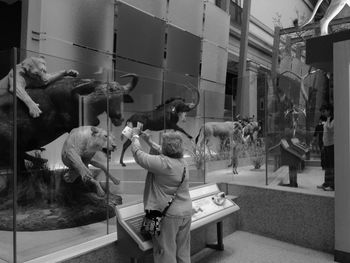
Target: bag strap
(174,195)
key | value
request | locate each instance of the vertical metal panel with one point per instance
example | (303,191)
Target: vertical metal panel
(187,14)
(183,51)
(140,36)
(216,25)
(148,91)
(87,62)
(154,7)
(214,62)
(84,23)
(212,99)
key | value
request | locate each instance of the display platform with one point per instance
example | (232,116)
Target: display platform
(206,209)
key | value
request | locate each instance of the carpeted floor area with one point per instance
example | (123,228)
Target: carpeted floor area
(244,247)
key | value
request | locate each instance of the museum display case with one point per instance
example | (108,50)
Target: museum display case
(62,194)
(294,100)
(52,196)
(167,70)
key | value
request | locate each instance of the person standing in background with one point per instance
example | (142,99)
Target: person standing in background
(318,138)
(328,146)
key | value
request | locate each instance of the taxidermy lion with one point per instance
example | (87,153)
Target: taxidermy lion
(31,72)
(332,11)
(78,151)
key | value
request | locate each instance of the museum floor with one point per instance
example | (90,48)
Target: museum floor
(244,247)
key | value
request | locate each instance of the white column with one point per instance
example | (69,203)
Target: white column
(249,92)
(341,69)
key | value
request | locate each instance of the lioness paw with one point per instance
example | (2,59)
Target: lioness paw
(115,181)
(72,73)
(34,111)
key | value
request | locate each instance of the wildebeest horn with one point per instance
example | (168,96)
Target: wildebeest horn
(132,84)
(85,87)
(193,105)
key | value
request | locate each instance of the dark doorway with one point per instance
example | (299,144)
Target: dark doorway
(10,28)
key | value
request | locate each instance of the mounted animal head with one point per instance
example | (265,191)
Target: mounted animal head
(106,97)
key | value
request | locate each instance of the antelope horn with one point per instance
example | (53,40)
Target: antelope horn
(132,84)
(193,105)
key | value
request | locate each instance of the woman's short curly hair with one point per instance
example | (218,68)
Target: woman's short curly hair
(172,145)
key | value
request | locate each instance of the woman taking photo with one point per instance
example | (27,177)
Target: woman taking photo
(164,178)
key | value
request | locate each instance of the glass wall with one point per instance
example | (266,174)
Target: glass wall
(294,125)
(63,196)
(57,192)
(64,120)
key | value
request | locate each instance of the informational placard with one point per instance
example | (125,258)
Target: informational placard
(205,211)
(205,206)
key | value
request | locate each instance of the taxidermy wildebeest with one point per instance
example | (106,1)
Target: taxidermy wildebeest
(164,116)
(59,102)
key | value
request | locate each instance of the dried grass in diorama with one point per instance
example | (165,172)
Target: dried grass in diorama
(256,153)
(199,155)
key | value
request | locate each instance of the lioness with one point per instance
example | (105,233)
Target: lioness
(78,151)
(31,72)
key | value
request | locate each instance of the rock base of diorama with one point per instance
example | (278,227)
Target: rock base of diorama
(40,206)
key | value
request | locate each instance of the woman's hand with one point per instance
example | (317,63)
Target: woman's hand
(146,136)
(135,131)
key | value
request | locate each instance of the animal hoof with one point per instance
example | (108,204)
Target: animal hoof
(123,164)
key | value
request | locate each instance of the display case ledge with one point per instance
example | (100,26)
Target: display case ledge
(75,251)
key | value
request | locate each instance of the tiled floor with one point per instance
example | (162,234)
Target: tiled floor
(244,247)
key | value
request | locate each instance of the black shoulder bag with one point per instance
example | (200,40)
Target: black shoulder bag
(151,221)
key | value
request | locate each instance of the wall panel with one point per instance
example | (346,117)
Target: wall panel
(183,51)
(187,14)
(140,36)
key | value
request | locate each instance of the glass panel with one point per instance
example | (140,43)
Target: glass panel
(187,14)
(214,138)
(215,19)
(57,203)
(7,182)
(235,146)
(213,99)
(143,39)
(154,7)
(180,90)
(294,155)
(183,51)
(214,62)
(146,96)
(181,85)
